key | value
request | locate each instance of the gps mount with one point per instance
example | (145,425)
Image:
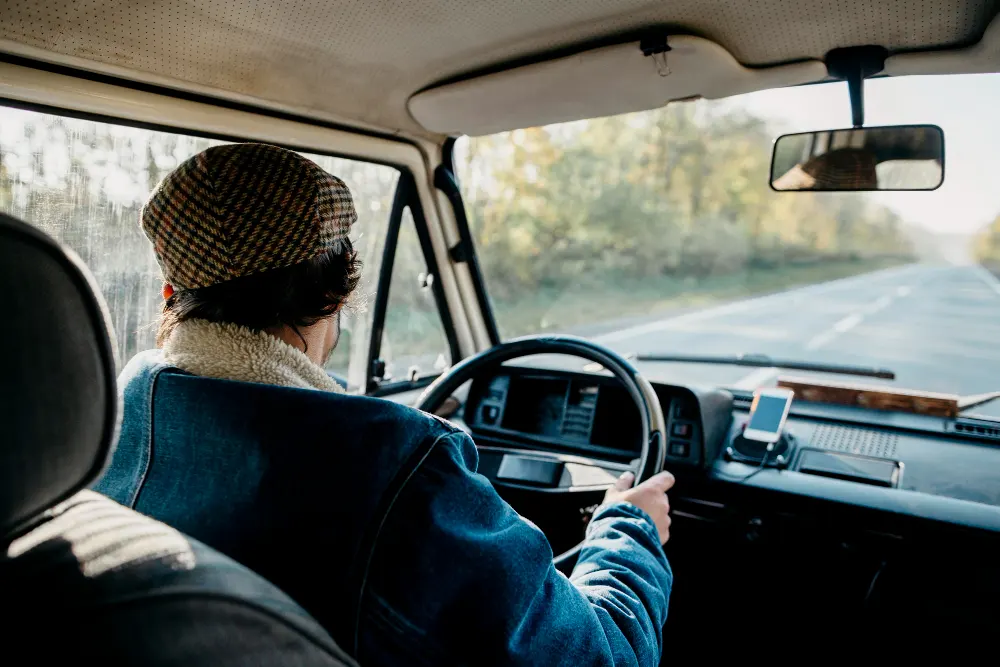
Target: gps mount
(754,452)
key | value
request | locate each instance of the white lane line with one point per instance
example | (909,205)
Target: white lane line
(759,378)
(659,326)
(854,319)
(846,324)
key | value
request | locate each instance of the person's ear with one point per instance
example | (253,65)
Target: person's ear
(168,291)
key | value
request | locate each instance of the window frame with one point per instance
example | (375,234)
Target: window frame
(446,180)
(406,195)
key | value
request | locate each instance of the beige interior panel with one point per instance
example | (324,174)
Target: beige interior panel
(362,60)
(602,82)
(979,58)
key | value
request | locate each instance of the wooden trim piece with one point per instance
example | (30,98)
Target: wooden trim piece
(873,397)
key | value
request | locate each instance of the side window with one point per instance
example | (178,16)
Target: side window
(84,183)
(373,187)
(413,337)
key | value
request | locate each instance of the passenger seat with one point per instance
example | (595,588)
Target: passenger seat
(83,579)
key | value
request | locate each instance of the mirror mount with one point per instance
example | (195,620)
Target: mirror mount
(854,64)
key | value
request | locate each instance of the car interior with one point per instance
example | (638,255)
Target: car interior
(827,414)
(117,586)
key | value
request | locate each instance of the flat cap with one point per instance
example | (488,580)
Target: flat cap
(240,209)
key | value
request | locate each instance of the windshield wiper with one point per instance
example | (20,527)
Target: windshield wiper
(764,361)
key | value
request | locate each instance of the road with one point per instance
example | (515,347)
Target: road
(937,327)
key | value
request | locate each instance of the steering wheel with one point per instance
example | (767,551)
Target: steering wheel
(651,444)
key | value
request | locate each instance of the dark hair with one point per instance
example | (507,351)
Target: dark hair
(295,296)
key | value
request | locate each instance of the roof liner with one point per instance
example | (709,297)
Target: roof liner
(360,61)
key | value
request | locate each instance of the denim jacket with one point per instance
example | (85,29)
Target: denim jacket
(372,516)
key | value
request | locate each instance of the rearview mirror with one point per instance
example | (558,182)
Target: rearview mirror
(895,157)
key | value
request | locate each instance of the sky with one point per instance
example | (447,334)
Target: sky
(967,107)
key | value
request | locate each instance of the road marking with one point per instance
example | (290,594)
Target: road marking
(854,319)
(846,324)
(667,323)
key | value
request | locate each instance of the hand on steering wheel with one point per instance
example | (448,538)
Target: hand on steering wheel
(651,445)
(649,496)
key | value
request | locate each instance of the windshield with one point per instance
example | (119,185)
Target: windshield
(658,232)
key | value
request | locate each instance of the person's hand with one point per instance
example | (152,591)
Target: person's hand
(650,496)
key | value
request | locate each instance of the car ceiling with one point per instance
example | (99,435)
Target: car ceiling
(360,61)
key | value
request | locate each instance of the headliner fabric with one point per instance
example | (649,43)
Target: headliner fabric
(58,402)
(362,60)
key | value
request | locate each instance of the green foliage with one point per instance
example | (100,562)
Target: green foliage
(987,245)
(574,223)
(671,195)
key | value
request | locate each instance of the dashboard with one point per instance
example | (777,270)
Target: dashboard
(561,431)
(585,414)
(886,518)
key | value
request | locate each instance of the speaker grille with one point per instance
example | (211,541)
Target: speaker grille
(862,441)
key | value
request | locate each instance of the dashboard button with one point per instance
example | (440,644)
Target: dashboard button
(680,430)
(490,414)
(678,448)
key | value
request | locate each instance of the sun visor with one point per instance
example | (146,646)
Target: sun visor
(980,58)
(600,82)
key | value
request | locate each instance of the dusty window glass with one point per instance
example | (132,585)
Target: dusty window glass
(413,338)
(84,183)
(373,187)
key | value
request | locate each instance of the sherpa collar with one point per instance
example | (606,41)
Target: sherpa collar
(232,352)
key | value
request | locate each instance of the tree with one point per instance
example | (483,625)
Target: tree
(676,193)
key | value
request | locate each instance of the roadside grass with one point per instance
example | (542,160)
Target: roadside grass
(595,306)
(590,303)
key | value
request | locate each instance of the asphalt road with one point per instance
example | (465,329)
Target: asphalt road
(937,327)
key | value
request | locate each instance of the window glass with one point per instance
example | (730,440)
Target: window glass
(84,183)
(413,337)
(657,233)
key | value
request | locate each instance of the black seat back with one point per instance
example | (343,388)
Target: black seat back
(58,408)
(82,576)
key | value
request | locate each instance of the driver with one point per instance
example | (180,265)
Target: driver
(368,513)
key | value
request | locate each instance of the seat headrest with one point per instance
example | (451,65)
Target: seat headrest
(58,406)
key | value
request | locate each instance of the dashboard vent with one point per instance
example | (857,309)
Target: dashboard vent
(973,428)
(578,417)
(577,421)
(861,441)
